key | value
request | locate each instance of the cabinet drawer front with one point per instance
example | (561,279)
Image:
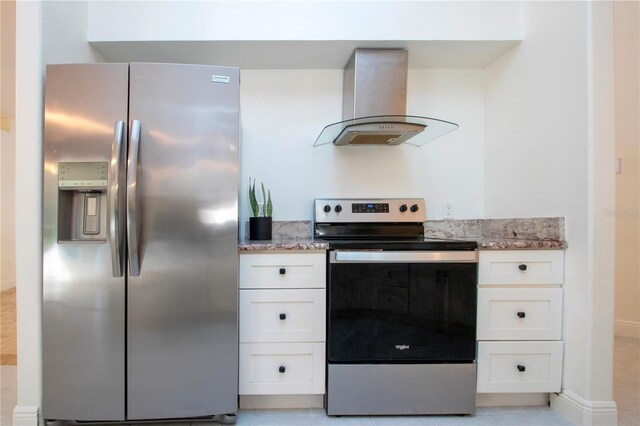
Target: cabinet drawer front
(519,313)
(281,368)
(282,315)
(300,270)
(515,267)
(499,365)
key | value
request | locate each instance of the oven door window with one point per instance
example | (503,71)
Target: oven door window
(402,313)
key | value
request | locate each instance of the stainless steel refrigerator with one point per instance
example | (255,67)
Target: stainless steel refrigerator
(140,242)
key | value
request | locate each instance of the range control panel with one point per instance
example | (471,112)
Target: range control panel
(370,207)
(350,210)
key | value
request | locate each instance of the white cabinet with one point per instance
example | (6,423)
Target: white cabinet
(521,267)
(281,368)
(283,270)
(520,321)
(519,367)
(282,323)
(519,313)
(296,315)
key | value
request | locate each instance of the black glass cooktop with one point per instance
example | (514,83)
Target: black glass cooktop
(385,236)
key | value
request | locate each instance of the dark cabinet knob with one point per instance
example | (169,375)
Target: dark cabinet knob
(522,267)
(414,208)
(521,368)
(338,208)
(282,271)
(283,316)
(327,208)
(521,315)
(403,208)
(282,369)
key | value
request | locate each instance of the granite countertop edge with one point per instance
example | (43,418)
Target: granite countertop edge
(283,244)
(483,244)
(514,244)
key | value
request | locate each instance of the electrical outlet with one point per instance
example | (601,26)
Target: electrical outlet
(447,210)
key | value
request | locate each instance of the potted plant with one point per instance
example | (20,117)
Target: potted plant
(260,222)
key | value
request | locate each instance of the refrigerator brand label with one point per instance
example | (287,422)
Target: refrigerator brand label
(220,78)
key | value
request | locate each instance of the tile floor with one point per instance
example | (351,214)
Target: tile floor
(626,393)
(484,416)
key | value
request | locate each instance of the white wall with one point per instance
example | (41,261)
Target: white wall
(7,144)
(29,77)
(283,112)
(627,212)
(549,152)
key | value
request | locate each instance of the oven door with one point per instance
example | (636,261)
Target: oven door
(396,307)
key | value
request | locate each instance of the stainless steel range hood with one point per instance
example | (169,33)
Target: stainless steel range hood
(374,104)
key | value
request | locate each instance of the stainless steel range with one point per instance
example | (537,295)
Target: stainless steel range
(401,311)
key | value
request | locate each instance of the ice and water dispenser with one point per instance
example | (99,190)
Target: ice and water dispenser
(82,201)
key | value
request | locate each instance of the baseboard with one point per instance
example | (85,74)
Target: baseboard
(627,328)
(584,412)
(511,399)
(281,401)
(25,416)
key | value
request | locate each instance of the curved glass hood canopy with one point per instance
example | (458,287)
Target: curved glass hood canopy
(385,130)
(374,104)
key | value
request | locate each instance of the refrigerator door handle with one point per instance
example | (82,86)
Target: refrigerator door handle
(132,210)
(114,199)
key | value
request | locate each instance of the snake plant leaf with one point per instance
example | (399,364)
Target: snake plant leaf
(264,200)
(269,205)
(252,198)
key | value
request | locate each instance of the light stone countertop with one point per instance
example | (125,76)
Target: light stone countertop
(545,233)
(509,244)
(483,244)
(283,244)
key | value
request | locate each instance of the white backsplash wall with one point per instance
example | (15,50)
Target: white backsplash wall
(283,112)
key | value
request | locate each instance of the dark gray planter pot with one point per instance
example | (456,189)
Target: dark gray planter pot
(260,228)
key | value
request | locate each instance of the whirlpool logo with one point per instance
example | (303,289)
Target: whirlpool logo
(402,347)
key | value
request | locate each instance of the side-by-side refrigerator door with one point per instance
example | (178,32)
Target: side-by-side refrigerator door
(182,210)
(85,140)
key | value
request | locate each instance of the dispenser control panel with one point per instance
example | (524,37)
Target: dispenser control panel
(75,176)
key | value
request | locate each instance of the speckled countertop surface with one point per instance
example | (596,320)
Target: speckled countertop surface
(283,244)
(491,234)
(507,244)
(483,244)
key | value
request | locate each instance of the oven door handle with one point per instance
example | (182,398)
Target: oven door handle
(354,256)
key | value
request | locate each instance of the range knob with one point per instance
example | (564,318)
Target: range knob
(414,208)
(338,208)
(326,208)
(403,208)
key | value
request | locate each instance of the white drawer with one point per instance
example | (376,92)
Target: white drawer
(519,313)
(516,267)
(499,363)
(282,315)
(280,270)
(281,368)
